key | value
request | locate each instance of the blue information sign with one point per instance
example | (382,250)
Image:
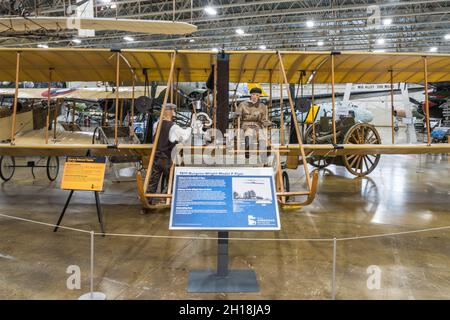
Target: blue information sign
(224,199)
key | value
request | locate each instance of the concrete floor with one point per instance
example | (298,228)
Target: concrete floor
(402,194)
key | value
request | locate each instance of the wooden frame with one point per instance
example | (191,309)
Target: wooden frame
(312,185)
(132,108)
(333,103)
(312,106)
(47,122)
(16,97)
(143,185)
(427,102)
(116,138)
(392,106)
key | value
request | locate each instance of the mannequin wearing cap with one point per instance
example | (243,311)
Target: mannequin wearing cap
(253,114)
(169,136)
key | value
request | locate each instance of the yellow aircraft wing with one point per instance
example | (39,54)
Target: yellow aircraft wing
(245,66)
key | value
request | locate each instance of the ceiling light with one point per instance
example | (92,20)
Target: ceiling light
(106,1)
(210,10)
(77,41)
(433,49)
(380,41)
(215,50)
(320,43)
(113,6)
(42,46)
(127,38)
(387,21)
(240,31)
(262,47)
(447,37)
(310,23)
(191,40)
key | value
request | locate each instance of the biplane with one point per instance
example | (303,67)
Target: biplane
(179,66)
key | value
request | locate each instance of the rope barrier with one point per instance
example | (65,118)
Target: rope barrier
(231,239)
(43,223)
(393,234)
(209,238)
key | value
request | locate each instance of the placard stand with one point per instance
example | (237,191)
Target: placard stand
(97,204)
(223,279)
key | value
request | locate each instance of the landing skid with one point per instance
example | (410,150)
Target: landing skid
(141,193)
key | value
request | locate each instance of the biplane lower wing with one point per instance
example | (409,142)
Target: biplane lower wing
(145,149)
(61,150)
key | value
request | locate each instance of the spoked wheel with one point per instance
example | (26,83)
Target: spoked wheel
(286,185)
(52,168)
(7,167)
(361,165)
(319,162)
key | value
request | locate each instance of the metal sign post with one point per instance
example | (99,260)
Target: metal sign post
(223,279)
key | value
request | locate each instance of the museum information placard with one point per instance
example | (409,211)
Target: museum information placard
(224,199)
(84,173)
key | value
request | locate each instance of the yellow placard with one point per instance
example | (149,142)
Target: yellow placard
(84,173)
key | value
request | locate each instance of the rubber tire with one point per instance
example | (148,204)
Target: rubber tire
(48,168)
(2,176)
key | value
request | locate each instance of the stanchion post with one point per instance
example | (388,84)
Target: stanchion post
(92,265)
(92,295)
(333,283)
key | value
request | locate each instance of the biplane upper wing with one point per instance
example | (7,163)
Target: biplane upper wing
(195,66)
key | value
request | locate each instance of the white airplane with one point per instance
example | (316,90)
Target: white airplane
(342,109)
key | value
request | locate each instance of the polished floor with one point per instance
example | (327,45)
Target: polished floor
(404,193)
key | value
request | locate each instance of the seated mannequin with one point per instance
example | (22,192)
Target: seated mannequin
(254,117)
